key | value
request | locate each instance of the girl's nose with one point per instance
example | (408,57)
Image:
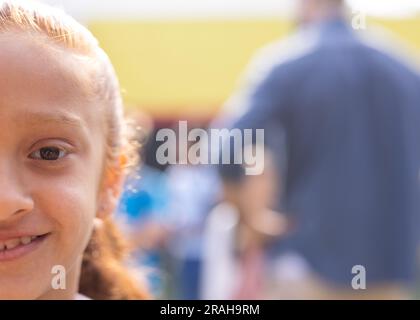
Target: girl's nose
(13,200)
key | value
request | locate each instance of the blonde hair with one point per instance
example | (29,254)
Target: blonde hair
(103,273)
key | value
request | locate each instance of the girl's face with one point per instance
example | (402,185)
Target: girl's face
(52,148)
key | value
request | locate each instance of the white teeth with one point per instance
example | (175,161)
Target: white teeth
(25,240)
(12,243)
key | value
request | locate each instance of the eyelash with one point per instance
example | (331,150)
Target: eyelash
(37,155)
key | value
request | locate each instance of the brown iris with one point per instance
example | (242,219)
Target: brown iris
(49,153)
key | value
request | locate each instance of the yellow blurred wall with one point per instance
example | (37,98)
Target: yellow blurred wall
(189,68)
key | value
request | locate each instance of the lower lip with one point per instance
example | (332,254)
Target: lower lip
(21,250)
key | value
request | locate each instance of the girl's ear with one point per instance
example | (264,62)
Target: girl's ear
(111,190)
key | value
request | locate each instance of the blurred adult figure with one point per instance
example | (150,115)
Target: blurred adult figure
(349,116)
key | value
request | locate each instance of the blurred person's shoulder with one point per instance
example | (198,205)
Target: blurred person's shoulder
(388,48)
(283,51)
(224,216)
(273,57)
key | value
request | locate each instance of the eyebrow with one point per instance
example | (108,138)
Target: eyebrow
(44,118)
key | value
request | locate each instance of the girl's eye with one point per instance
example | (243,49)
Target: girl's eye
(48,154)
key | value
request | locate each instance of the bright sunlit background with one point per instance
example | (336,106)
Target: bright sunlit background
(182,58)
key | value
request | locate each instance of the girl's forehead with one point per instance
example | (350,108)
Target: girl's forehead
(37,76)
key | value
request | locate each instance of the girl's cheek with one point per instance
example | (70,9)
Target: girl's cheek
(66,196)
(70,207)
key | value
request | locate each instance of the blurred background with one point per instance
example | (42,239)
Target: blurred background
(183,60)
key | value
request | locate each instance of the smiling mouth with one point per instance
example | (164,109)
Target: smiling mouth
(15,248)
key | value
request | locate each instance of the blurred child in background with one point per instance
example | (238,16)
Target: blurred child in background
(238,233)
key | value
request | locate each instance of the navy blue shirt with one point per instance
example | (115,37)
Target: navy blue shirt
(350,115)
